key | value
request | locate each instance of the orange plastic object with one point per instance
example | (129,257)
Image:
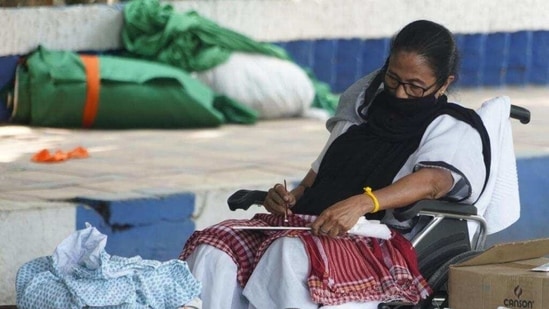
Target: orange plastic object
(78,153)
(45,156)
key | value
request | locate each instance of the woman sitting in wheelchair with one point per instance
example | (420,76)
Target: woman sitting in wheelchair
(395,141)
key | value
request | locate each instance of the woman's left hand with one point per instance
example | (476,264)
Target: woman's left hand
(341,217)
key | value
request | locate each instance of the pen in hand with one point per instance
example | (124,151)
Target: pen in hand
(285,204)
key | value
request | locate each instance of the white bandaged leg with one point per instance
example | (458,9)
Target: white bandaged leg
(217,273)
(280,278)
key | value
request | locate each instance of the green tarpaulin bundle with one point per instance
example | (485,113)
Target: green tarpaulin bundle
(185,40)
(65,89)
(191,42)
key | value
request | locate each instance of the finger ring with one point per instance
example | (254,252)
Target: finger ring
(323,231)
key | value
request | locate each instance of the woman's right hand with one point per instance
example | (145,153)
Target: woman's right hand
(279,200)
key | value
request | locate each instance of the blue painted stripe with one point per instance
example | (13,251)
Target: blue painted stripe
(539,71)
(324,60)
(471,47)
(301,52)
(8,65)
(374,54)
(5,112)
(153,228)
(519,58)
(7,69)
(348,62)
(493,59)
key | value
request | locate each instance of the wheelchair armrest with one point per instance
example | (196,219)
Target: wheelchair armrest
(243,199)
(408,212)
(520,113)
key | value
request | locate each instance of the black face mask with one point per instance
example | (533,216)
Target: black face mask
(409,107)
(402,118)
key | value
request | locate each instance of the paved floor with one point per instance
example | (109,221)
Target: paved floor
(134,163)
(130,164)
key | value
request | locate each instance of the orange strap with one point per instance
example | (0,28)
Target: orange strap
(91,65)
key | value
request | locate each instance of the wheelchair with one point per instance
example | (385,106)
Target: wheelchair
(442,240)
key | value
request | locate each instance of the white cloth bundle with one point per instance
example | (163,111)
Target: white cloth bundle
(370,228)
(275,88)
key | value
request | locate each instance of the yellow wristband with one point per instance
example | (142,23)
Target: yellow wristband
(368,191)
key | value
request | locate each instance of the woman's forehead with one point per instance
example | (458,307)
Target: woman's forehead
(409,66)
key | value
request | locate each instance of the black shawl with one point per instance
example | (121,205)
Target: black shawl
(372,153)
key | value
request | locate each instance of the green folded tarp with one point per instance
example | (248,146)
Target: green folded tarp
(52,90)
(194,43)
(185,40)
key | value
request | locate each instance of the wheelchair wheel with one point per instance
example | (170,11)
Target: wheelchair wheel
(439,282)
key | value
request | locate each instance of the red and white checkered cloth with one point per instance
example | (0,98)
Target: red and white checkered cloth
(343,269)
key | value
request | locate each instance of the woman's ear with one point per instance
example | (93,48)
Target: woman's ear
(446,84)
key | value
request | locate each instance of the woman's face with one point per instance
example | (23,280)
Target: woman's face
(410,76)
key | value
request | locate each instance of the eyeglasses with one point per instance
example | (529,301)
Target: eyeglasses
(414,91)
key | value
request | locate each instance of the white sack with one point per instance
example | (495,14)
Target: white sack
(274,87)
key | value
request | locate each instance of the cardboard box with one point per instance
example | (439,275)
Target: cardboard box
(502,277)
